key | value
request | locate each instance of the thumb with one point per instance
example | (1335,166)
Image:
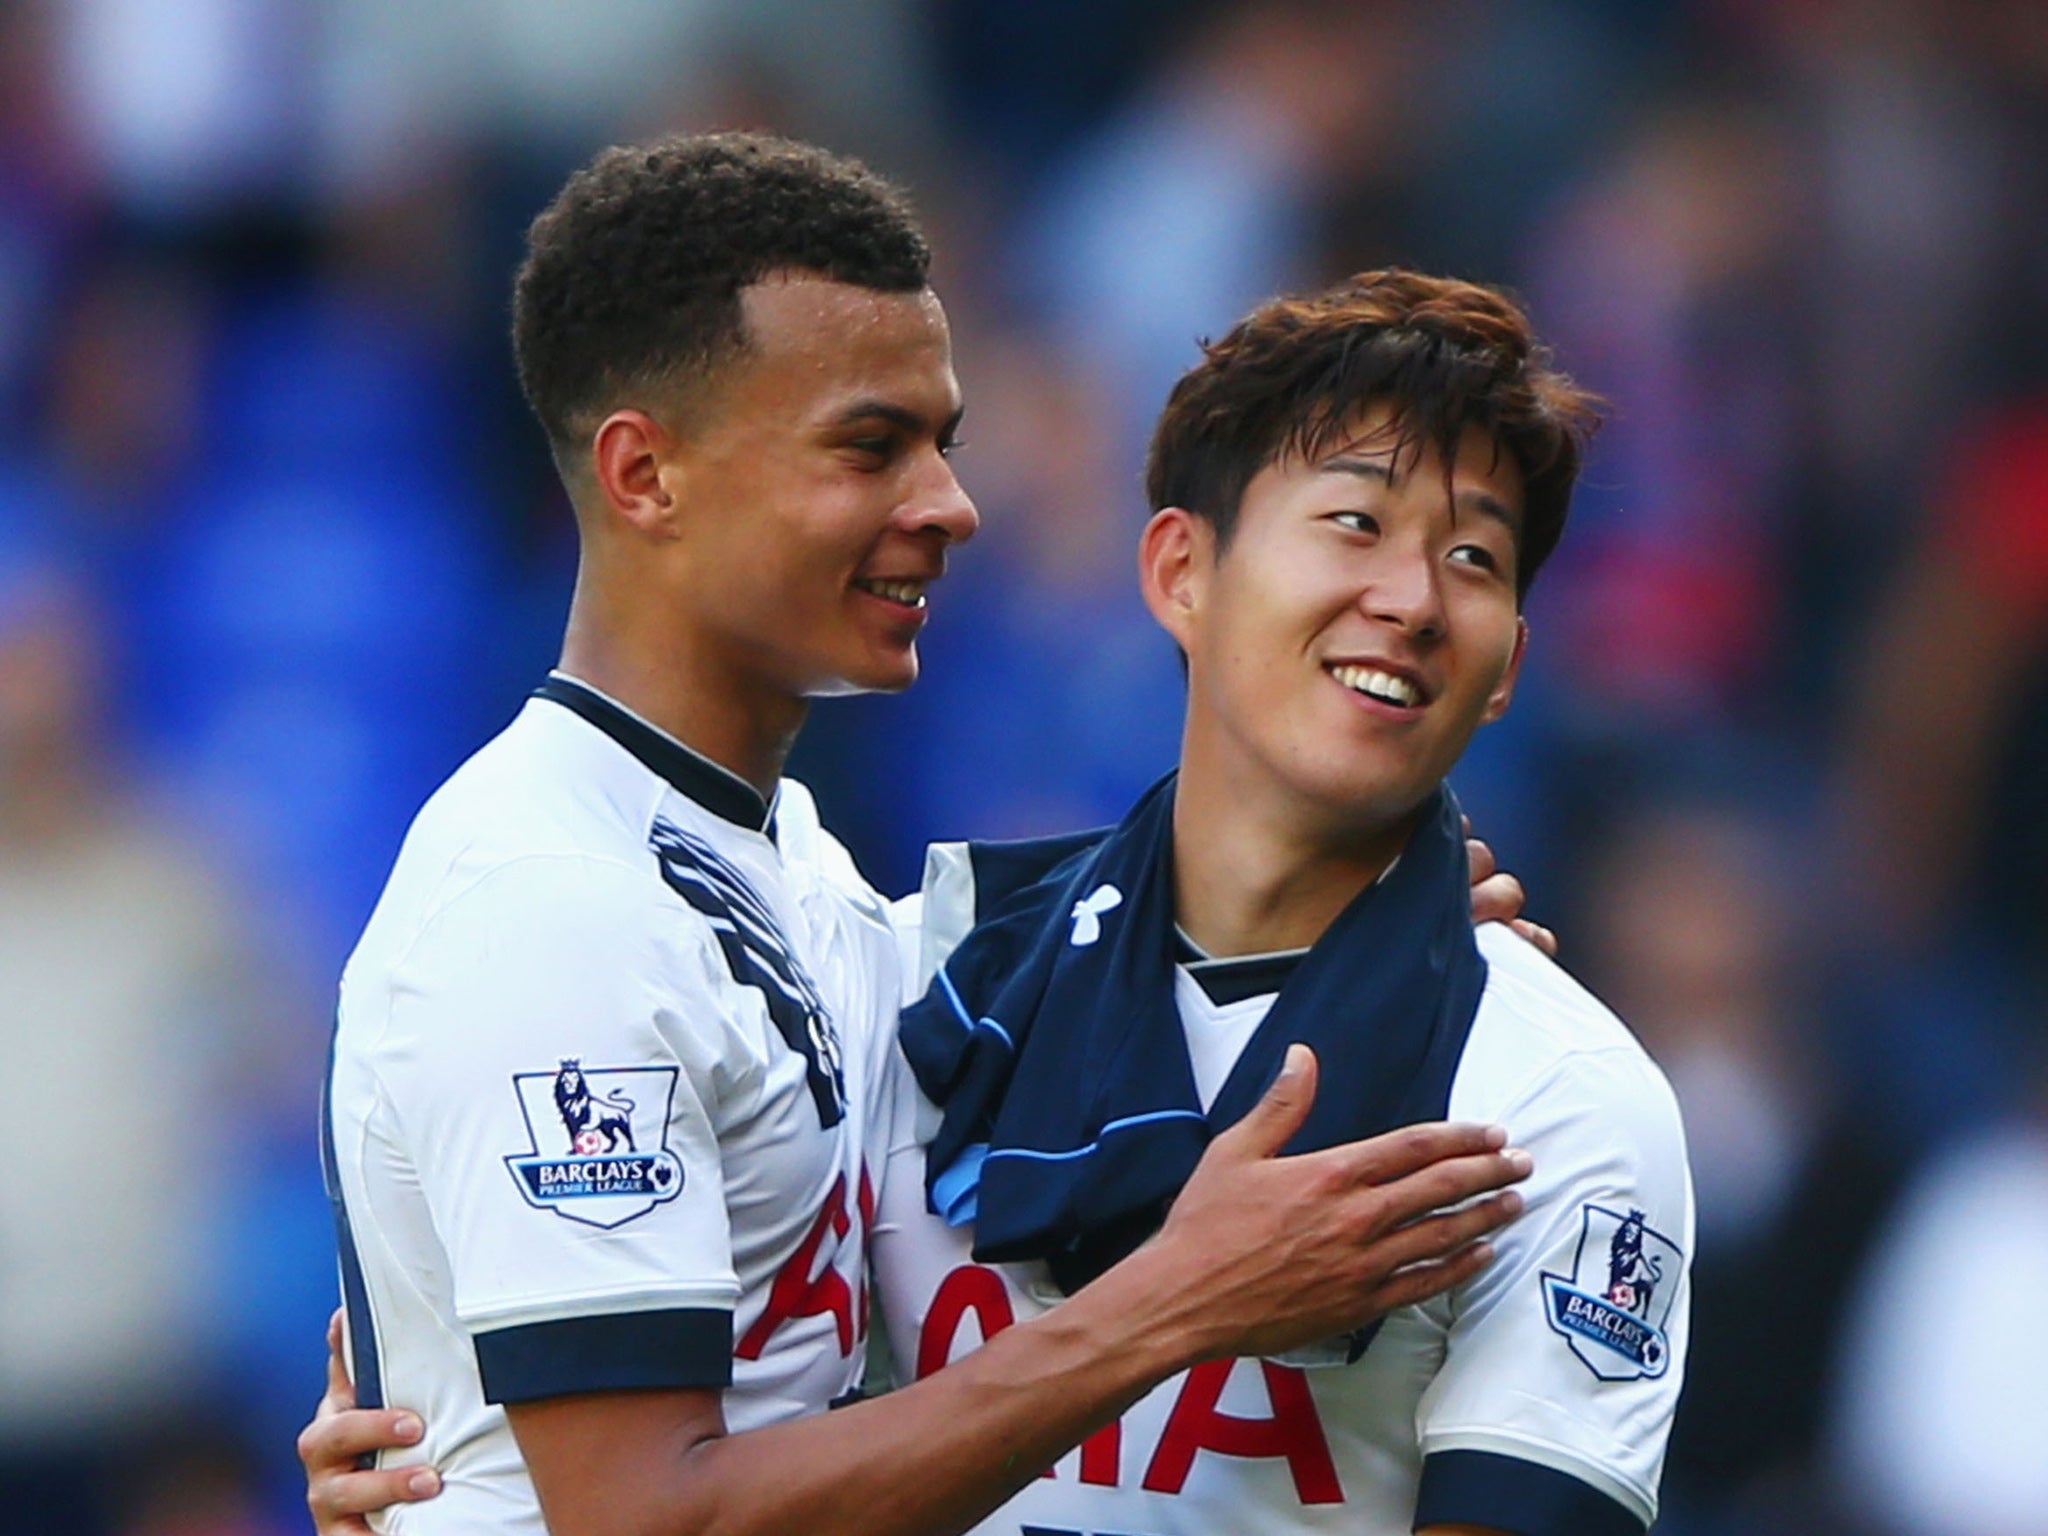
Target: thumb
(1278,1115)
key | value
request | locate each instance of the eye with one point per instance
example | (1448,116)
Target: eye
(951,446)
(1478,556)
(1357,522)
(879,448)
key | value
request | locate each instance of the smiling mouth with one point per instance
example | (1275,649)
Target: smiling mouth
(1383,687)
(904,593)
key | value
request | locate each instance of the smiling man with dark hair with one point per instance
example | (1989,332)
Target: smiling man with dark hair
(1353,491)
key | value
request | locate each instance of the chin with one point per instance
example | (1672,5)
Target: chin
(1356,795)
(891,674)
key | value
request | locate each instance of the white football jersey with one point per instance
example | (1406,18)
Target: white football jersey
(1535,1398)
(606,1063)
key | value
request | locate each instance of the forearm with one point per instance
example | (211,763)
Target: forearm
(1259,1254)
(941,1454)
(932,1458)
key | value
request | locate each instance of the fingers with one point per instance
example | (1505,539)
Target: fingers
(1279,1114)
(1498,899)
(1452,1182)
(339,1502)
(1536,934)
(338,1439)
(1397,1154)
(1419,1282)
(340,1390)
(1436,1237)
(1480,857)
(338,1492)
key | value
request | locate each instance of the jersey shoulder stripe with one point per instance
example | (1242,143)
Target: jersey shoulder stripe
(759,955)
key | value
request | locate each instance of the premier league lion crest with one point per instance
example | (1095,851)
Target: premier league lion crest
(597,1152)
(1612,1306)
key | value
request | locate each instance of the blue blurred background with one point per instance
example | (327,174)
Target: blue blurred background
(278,548)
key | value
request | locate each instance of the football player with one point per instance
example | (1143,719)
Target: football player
(1354,491)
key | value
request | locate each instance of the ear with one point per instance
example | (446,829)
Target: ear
(1504,691)
(1175,554)
(633,463)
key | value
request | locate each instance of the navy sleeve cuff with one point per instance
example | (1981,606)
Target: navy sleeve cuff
(1522,1498)
(684,1347)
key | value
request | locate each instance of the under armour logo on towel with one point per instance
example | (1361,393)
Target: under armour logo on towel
(1088,914)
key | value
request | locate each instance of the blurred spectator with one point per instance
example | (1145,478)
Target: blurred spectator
(126,395)
(1691,934)
(1023,82)
(1947,751)
(40,208)
(1902,237)
(1660,286)
(1205,195)
(1945,1404)
(1944,815)
(190,109)
(125,1024)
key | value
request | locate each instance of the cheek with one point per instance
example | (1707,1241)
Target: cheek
(1493,657)
(1271,614)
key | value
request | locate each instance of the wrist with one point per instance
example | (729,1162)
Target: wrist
(1141,1308)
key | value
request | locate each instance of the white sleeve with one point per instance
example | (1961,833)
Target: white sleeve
(1564,1357)
(555,1061)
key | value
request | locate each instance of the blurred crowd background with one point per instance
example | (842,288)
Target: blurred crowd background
(278,548)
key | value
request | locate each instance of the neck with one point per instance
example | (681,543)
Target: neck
(1255,870)
(674,679)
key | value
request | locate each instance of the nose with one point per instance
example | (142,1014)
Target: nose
(939,501)
(1405,592)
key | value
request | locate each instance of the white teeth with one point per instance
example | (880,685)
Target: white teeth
(909,593)
(1375,684)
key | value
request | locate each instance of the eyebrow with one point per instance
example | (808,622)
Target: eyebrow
(898,416)
(1491,506)
(1365,469)
(1482,502)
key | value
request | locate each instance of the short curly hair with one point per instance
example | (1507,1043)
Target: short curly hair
(633,274)
(1293,376)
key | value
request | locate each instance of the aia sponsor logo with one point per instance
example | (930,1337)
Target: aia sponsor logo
(1291,1429)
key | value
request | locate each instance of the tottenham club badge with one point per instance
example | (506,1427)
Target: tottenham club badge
(1612,1306)
(597,1152)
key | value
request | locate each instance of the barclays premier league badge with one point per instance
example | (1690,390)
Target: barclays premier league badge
(1612,1306)
(597,1141)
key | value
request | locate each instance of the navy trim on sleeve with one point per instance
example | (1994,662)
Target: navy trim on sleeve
(683,1347)
(365,1361)
(1522,1498)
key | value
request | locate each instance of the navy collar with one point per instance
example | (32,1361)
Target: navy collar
(690,773)
(1237,977)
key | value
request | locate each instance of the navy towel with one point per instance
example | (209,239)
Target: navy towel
(1052,1043)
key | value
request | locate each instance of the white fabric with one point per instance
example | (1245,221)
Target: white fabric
(527,922)
(1217,1033)
(1480,1369)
